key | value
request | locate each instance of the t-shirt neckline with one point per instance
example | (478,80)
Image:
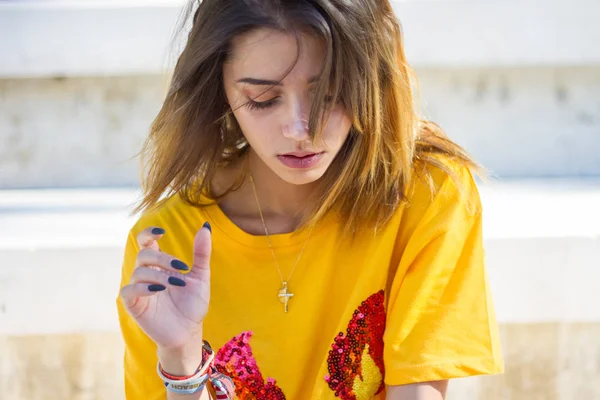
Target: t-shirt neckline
(279,240)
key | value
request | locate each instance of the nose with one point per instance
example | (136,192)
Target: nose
(295,126)
(296,130)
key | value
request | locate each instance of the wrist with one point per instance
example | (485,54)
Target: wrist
(182,360)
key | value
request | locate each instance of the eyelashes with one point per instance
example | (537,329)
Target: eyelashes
(262,105)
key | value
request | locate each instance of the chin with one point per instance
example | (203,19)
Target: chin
(301,177)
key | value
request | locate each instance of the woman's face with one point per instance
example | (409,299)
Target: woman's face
(275,122)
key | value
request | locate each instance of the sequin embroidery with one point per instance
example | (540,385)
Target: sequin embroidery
(355,361)
(235,360)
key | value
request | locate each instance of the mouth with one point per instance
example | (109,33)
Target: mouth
(300,160)
(301,154)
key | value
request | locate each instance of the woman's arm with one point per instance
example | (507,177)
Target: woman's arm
(418,391)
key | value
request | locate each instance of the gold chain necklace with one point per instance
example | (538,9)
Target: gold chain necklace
(284,294)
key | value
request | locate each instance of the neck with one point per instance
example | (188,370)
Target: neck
(277,197)
(283,204)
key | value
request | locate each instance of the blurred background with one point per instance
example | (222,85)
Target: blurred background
(517,83)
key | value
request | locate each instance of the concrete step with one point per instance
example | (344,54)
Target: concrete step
(133,37)
(542,242)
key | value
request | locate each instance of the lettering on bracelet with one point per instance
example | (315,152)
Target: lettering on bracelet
(186,386)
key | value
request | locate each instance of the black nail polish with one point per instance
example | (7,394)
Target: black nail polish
(173,280)
(156,288)
(207,226)
(180,265)
(158,231)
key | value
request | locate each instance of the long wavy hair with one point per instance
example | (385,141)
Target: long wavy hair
(195,133)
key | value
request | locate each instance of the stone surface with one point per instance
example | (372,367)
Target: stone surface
(69,367)
(579,361)
(531,354)
(541,263)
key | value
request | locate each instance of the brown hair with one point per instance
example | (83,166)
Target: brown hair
(195,132)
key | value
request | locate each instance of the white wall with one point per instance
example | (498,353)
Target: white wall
(525,121)
(74,131)
(84,131)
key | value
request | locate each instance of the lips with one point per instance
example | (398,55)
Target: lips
(300,160)
(300,154)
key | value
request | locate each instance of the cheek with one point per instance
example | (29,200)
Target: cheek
(257,130)
(338,126)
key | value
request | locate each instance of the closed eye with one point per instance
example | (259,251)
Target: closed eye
(260,105)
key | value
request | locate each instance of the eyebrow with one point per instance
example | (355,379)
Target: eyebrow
(267,82)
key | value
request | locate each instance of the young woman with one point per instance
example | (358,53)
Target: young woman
(302,219)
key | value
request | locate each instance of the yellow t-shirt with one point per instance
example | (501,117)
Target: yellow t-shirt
(411,304)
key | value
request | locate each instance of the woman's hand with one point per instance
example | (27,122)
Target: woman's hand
(168,305)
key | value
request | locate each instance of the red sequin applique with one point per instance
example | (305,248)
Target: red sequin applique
(355,361)
(235,360)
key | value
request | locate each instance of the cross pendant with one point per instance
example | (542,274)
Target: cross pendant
(284,296)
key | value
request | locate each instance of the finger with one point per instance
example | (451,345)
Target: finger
(149,275)
(149,257)
(202,250)
(149,236)
(130,294)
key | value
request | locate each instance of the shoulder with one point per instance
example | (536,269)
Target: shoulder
(177,217)
(442,195)
(442,181)
(157,215)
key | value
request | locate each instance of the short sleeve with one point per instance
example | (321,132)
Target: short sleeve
(440,320)
(141,379)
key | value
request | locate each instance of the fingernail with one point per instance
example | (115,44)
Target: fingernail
(173,280)
(158,231)
(180,265)
(207,226)
(156,288)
